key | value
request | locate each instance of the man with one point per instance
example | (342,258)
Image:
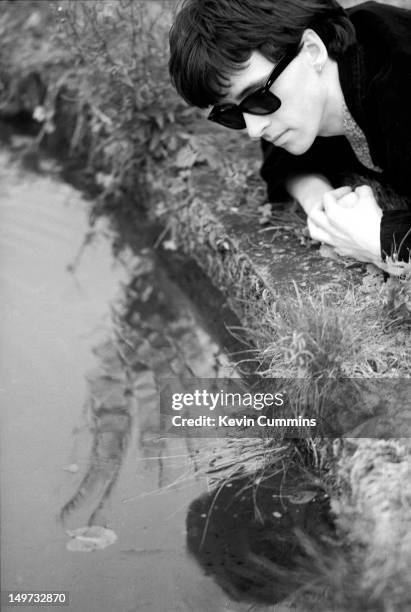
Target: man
(328,92)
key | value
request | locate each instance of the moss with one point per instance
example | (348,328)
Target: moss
(374,514)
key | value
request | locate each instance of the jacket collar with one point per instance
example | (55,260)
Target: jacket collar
(353,80)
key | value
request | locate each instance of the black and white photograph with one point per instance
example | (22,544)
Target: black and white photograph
(205,329)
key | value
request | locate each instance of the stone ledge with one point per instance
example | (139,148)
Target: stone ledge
(251,265)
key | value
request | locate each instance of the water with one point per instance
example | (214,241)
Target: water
(86,337)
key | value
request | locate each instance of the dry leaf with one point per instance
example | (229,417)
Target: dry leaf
(87,539)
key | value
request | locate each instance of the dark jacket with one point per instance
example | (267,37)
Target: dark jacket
(375,77)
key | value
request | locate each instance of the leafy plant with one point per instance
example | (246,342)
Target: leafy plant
(131,122)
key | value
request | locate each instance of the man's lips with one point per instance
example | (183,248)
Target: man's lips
(275,140)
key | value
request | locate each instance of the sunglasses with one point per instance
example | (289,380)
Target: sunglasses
(261,102)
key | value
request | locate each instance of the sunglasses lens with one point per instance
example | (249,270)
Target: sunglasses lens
(263,103)
(230,118)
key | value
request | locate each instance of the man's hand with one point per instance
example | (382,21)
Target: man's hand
(349,221)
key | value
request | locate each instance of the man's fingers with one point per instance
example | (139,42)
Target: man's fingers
(336,195)
(333,207)
(364,190)
(349,201)
(317,233)
(319,218)
(341,192)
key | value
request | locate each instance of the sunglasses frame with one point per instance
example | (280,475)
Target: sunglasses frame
(217,112)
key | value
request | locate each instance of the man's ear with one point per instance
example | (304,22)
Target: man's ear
(315,49)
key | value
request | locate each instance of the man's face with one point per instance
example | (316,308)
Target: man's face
(297,122)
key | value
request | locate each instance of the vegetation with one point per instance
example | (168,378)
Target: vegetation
(336,332)
(109,103)
(130,122)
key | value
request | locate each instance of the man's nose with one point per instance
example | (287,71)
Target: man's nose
(256,124)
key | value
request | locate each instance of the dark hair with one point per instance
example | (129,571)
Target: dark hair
(211,39)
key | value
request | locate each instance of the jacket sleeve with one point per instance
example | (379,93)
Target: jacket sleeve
(394,105)
(332,157)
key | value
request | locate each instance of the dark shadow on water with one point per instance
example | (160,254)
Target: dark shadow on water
(248,536)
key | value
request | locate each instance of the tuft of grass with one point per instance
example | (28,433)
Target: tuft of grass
(322,343)
(332,332)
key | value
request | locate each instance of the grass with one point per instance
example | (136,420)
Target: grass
(322,343)
(338,332)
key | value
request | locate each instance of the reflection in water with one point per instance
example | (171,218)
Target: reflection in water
(109,405)
(154,337)
(248,534)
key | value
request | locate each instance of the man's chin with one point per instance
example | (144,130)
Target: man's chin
(296,147)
